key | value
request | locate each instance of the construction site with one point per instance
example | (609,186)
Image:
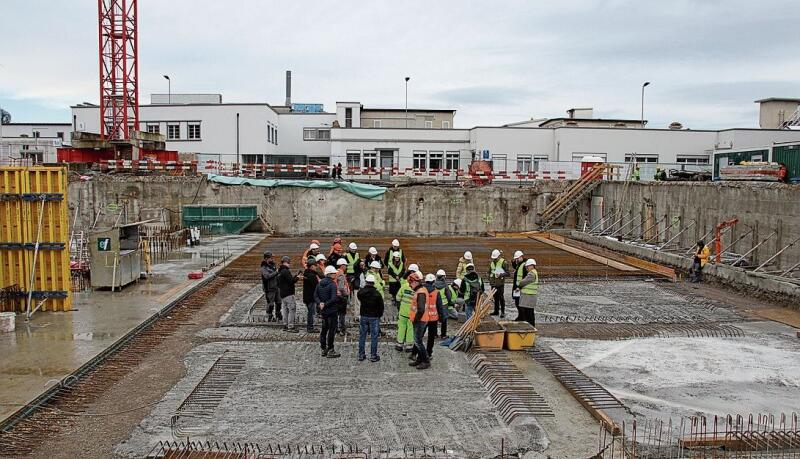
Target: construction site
(135,316)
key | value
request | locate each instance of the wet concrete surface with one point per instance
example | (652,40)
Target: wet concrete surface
(286,393)
(51,345)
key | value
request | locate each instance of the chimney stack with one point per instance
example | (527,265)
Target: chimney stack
(288,88)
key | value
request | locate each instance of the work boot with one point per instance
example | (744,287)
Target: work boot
(413,363)
(423,366)
(412,356)
(292,330)
(375,358)
(502,315)
(494,313)
(398,347)
(332,354)
(409,349)
(324,352)
(361,358)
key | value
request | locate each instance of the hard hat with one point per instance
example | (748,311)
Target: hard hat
(375,264)
(396,254)
(352,246)
(495,254)
(285,259)
(373,251)
(313,246)
(341,262)
(314,241)
(320,257)
(395,243)
(415,276)
(267,254)
(310,261)
(457,282)
(518,254)
(370,278)
(468,255)
(413,267)
(330,270)
(441,273)
(430,277)
(530,262)
(470,265)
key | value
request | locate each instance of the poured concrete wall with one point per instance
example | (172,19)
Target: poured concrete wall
(417,210)
(762,207)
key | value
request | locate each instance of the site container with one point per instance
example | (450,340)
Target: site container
(519,335)
(221,219)
(789,155)
(489,335)
(725,158)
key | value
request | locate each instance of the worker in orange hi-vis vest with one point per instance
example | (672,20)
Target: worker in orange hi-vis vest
(425,308)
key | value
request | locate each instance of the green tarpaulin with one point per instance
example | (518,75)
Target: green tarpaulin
(359,189)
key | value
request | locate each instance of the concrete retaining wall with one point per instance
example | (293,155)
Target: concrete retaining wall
(414,210)
(764,207)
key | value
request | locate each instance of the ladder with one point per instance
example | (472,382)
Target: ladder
(793,120)
(572,196)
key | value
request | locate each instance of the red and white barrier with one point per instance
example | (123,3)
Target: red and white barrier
(146,165)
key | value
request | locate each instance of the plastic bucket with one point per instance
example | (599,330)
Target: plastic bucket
(8,322)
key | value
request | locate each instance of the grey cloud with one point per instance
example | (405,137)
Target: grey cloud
(484,95)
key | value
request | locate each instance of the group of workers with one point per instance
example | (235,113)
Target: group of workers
(343,281)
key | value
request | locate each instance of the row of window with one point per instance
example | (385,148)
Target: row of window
(428,124)
(424,160)
(174,130)
(680,159)
(316,134)
(272,133)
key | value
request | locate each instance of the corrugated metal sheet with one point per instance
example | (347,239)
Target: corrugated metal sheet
(220,219)
(790,156)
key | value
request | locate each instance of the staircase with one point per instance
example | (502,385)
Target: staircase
(572,196)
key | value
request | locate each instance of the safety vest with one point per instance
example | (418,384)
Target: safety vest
(533,287)
(379,283)
(467,287)
(395,271)
(404,295)
(493,266)
(351,258)
(431,314)
(520,274)
(443,293)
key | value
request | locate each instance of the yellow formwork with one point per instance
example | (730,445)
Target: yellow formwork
(28,196)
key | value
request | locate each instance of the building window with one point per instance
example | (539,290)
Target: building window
(428,124)
(348,117)
(436,160)
(323,134)
(275,135)
(452,160)
(538,159)
(420,159)
(193,130)
(153,128)
(173,131)
(524,164)
(370,159)
(500,162)
(376,123)
(36,134)
(60,135)
(692,159)
(314,134)
(641,158)
(252,159)
(353,159)
(445,124)
(309,134)
(269,133)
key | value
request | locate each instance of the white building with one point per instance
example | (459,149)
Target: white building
(32,143)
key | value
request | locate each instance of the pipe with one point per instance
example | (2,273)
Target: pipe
(779,252)
(237,142)
(753,249)
(691,224)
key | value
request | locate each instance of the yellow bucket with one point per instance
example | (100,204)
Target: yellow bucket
(518,335)
(489,335)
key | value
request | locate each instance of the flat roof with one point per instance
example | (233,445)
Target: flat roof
(608,120)
(410,110)
(777,99)
(37,124)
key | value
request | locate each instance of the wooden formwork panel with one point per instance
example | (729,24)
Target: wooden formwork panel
(33,206)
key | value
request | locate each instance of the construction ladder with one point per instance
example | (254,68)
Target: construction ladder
(572,196)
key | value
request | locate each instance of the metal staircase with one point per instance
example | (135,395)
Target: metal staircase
(572,196)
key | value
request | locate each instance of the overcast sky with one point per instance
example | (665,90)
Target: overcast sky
(494,61)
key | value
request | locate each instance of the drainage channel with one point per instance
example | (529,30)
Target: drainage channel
(509,390)
(52,411)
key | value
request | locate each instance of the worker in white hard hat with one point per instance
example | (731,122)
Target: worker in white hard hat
(371,301)
(375,270)
(498,271)
(518,272)
(449,297)
(424,310)
(311,252)
(462,264)
(390,253)
(404,296)
(529,289)
(471,287)
(344,292)
(354,269)
(395,268)
(372,255)
(327,297)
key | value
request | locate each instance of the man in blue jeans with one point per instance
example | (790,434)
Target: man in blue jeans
(371,302)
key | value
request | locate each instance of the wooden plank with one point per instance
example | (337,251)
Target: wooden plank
(645,265)
(582,253)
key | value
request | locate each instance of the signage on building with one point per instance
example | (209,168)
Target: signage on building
(307,108)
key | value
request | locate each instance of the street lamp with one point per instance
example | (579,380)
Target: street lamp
(407,78)
(169,89)
(646,83)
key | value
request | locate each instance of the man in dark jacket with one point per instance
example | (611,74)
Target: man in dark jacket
(371,312)
(286,283)
(471,287)
(310,280)
(328,299)
(269,282)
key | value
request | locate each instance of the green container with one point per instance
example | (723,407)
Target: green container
(730,158)
(790,156)
(220,219)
